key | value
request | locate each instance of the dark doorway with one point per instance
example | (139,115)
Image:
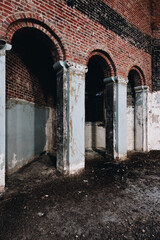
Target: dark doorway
(31,96)
(95,134)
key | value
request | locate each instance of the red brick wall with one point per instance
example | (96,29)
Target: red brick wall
(30,73)
(19,81)
(156,18)
(82,31)
(22,84)
(155,44)
(136,12)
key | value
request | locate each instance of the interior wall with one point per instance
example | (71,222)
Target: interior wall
(95,135)
(26,132)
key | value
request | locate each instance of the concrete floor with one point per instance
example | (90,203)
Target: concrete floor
(108,201)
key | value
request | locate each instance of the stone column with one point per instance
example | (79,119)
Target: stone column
(70,116)
(3,113)
(116,117)
(141,118)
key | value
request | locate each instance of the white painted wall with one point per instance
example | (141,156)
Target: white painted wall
(154,121)
(95,135)
(29,130)
(130,128)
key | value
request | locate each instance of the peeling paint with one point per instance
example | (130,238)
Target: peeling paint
(2,161)
(14,161)
(154,121)
(155,118)
(141,118)
(116,117)
(76,118)
(2,119)
(50,130)
(130,129)
(157,98)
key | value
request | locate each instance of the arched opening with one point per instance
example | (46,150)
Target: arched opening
(134,80)
(95,109)
(31,97)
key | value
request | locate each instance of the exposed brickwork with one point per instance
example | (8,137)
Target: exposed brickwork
(121,29)
(135,12)
(137,75)
(35,23)
(156,45)
(17,76)
(98,11)
(108,65)
(22,84)
(156,19)
(30,75)
(135,79)
(156,64)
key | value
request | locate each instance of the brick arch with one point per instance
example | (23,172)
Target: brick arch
(21,20)
(109,64)
(141,81)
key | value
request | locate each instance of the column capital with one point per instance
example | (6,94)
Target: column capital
(4,48)
(76,67)
(141,89)
(110,80)
(115,79)
(59,65)
(70,65)
(122,81)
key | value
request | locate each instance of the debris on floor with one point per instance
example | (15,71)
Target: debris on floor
(109,200)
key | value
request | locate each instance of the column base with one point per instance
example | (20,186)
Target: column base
(75,169)
(2,189)
(121,158)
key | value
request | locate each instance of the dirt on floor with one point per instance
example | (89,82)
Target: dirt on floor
(110,200)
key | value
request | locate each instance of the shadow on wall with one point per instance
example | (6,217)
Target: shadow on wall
(41,116)
(93,126)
